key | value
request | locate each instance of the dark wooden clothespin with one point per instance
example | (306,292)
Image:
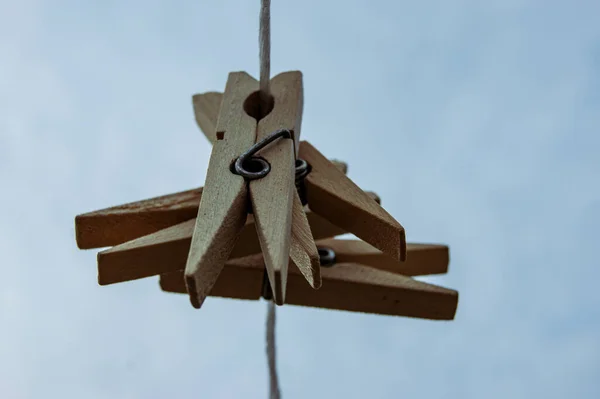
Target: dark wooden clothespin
(360,279)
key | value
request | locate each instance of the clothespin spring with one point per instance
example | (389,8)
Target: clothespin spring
(302,170)
(252,167)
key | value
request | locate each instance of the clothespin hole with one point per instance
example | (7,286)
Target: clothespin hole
(258,105)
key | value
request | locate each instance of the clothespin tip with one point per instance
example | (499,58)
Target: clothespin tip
(192,292)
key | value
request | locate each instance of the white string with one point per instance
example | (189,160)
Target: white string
(264,42)
(274,392)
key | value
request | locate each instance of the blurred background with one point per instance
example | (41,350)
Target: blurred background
(476,122)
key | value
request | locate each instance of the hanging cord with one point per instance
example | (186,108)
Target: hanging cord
(274,385)
(264,42)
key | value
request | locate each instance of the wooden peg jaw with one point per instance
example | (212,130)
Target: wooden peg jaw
(337,198)
(273,196)
(223,208)
(303,250)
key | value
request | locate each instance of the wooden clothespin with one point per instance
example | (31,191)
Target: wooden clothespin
(272,197)
(360,279)
(282,227)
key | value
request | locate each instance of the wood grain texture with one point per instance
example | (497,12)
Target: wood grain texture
(118,224)
(348,287)
(303,250)
(206,112)
(335,197)
(421,259)
(223,208)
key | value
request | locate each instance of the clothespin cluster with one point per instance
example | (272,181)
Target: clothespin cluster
(265,221)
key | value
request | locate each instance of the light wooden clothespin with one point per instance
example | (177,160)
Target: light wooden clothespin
(281,223)
(267,188)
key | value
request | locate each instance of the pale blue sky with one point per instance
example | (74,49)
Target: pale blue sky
(476,122)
